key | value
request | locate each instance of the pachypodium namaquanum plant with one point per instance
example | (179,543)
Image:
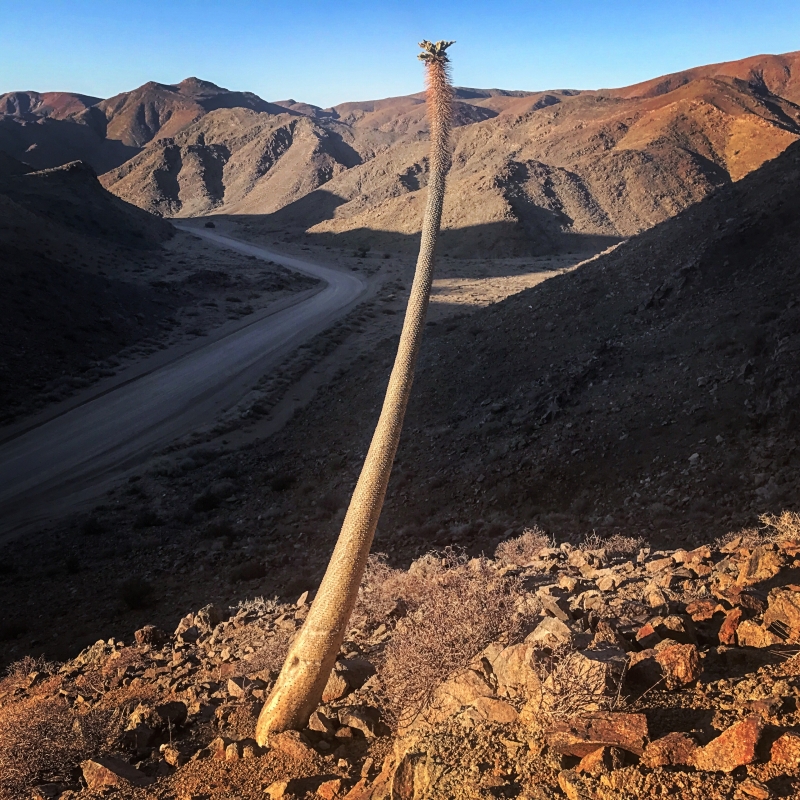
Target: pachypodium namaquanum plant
(308,665)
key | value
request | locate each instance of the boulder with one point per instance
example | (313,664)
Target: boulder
(727,632)
(783,613)
(680,664)
(672,750)
(582,735)
(107,772)
(751,634)
(763,563)
(361,718)
(734,747)
(550,632)
(643,668)
(513,668)
(151,635)
(455,694)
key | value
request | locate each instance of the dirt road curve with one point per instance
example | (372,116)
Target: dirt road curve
(60,463)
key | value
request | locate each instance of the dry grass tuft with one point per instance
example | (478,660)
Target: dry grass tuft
(619,545)
(774,529)
(43,740)
(524,550)
(786,527)
(28,664)
(456,608)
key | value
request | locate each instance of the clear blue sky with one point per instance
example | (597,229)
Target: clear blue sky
(329,51)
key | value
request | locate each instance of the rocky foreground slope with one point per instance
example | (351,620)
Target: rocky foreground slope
(599,671)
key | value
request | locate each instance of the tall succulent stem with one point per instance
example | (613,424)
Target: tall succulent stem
(299,687)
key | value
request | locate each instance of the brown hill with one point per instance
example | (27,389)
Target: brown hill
(55,105)
(240,159)
(532,172)
(54,128)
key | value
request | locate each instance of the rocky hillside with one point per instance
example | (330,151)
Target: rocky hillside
(606,671)
(532,172)
(50,129)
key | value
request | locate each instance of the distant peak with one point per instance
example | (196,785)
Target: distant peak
(197,83)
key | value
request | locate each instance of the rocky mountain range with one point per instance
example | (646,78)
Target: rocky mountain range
(533,172)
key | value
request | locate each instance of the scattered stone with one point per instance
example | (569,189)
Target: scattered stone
(764,563)
(292,744)
(604,759)
(107,772)
(673,750)
(783,613)
(751,634)
(361,718)
(680,664)
(330,790)
(755,789)
(733,748)
(277,790)
(785,750)
(580,736)
(150,635)
(571,785)
(727,632)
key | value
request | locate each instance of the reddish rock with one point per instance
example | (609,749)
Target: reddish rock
(786,750)
(107,772)
(680,664)
(643,668)
(580,736)
(679,629)
(762,564)
(571,784)
(330,790)
(647,637)
(494,710)
(727,633)
(701,610)
(672,750)
(733,748)
(150,635)
(292,744)
(702,553)
(783,614)
(751,634)
(604,759)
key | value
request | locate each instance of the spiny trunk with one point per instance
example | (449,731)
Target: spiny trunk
(299,687)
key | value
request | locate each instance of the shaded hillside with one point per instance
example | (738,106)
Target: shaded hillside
(53,128)
(533,172)
(63,239)
(653,391)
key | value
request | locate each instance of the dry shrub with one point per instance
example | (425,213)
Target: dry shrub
(786,527)
(457,608)
(523,550)
(386,592)
(592,541)
(43,739)
(569,688)
(619,545)
(27,664)
(774,529)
